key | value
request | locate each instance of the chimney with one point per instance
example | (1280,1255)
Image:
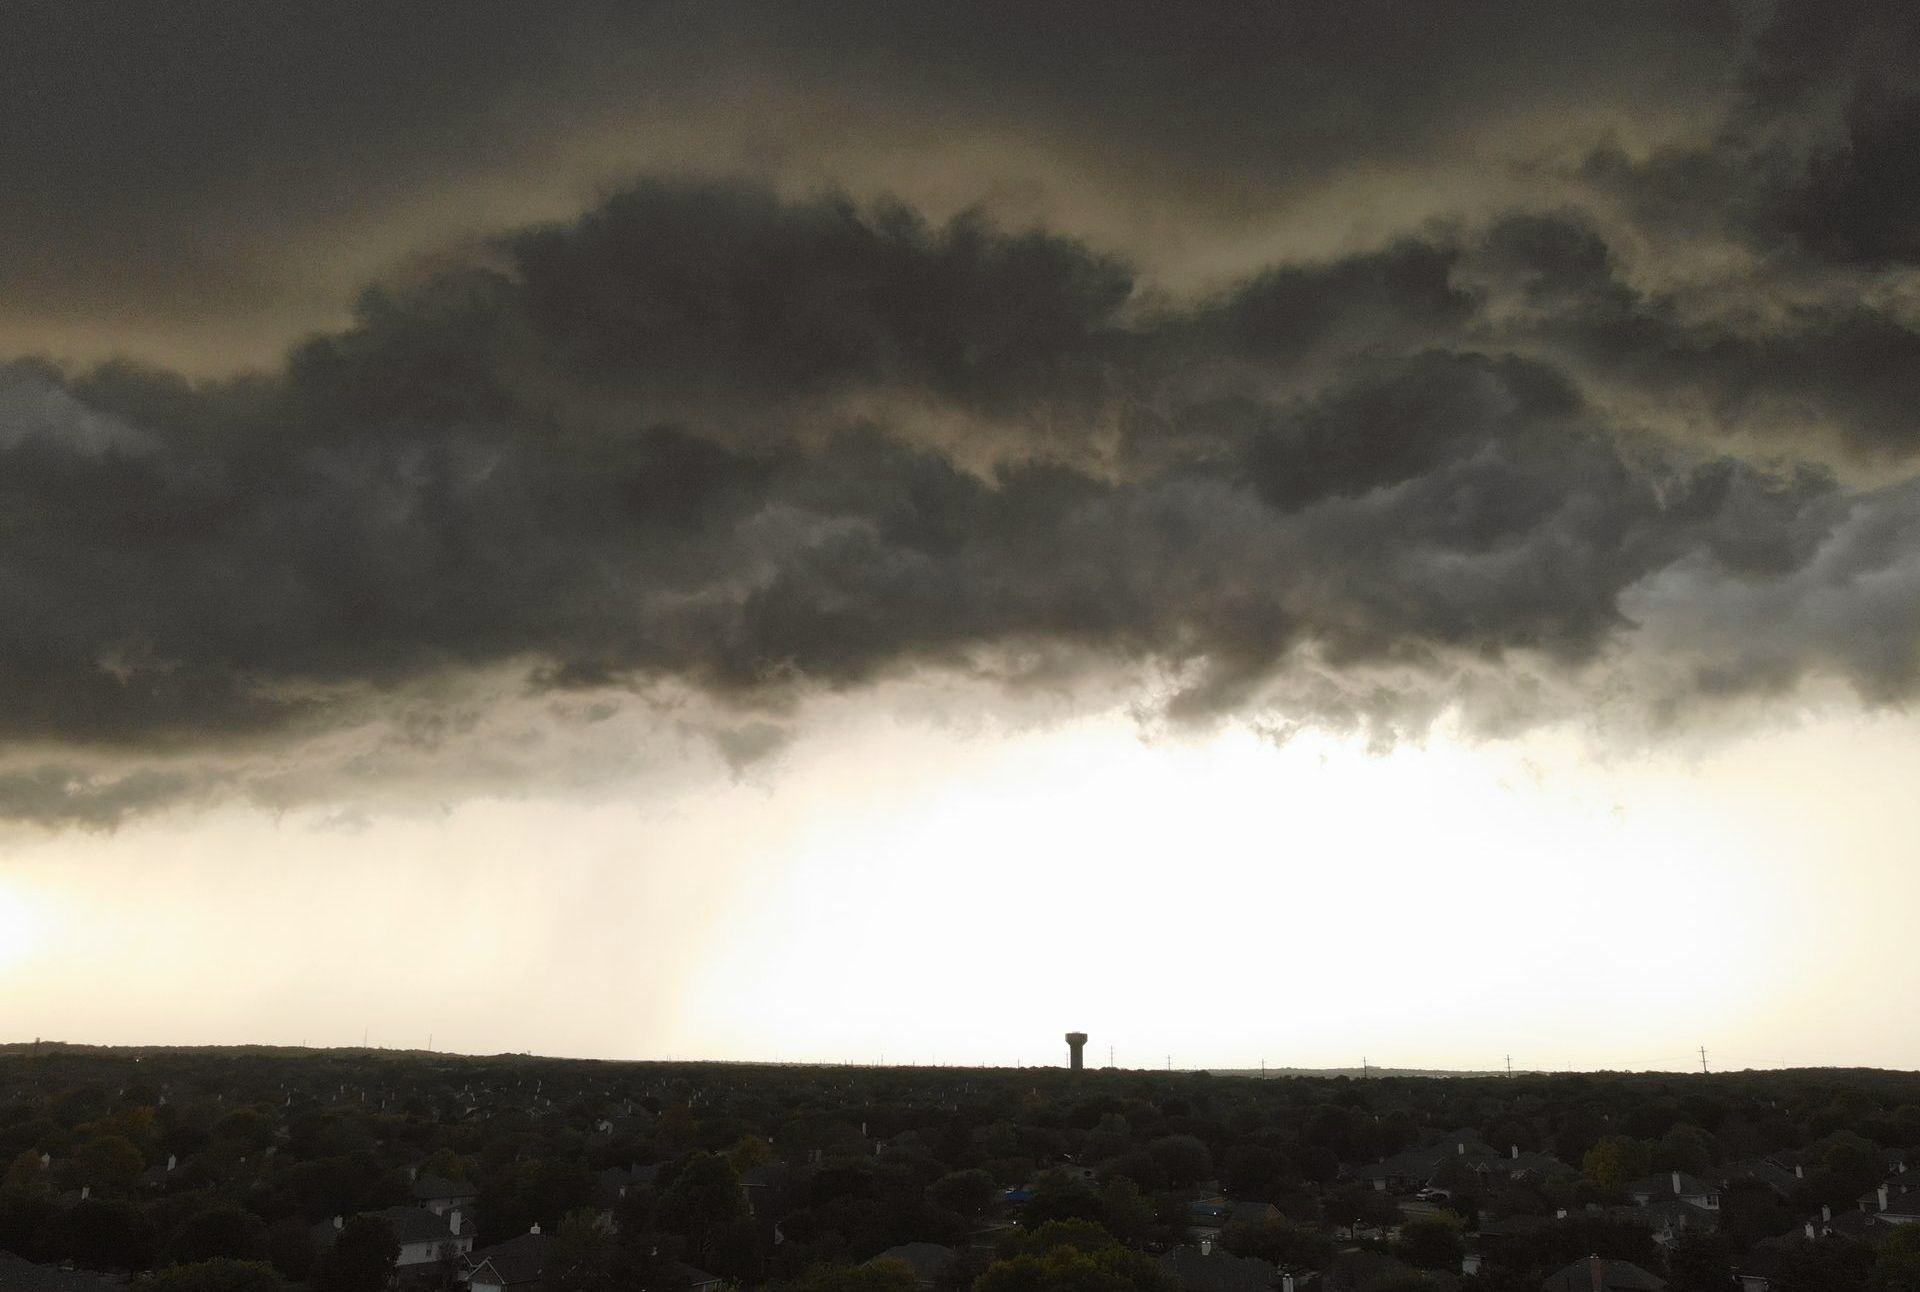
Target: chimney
(1883,1197)
(339,1222)
(1598,1268)
(86,1191)
(1206,1247)
(1461,1148)
(1810,1233)
(1799,1172)
(1676,1182)
(173,1160)
(1560,1214)
(453,1221)
(413,1173)
(1826,1212)
(1515,1153)
(1286,1283)
(535,1229)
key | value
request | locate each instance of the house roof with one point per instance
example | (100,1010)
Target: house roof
(518,1260)
(926,1260)
(1540,1164)
(1854,1224)
(1766,1171)
(1218,1271)
(415,1224)
(683,1275)
(1597,1274)
(1671,1184)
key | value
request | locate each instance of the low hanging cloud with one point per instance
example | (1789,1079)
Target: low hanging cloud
(707,454)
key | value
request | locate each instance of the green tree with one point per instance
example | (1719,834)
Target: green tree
(880,1276)
(1184,1158)
(1125,1211)
(219,1275)
(1058,1196)
(362,1257)
(585,1257)
(109,1162)
(1280,1241)
(1073,1256)
(25,1174)
(1615,1161)
(968,1192)
(1700,1262)
(220,1231)
(1828,1264)
(705,1205)
(1897,1268)
(1432,1242)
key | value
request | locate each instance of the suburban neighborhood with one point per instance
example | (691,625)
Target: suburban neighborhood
(359,1171)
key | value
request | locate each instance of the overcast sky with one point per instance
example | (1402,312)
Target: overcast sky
(1257,531)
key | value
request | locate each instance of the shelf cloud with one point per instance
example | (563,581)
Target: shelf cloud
(1614,413)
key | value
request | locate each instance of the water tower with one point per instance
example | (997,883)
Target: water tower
(1076,1042)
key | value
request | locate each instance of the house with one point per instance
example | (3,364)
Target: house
(1668,1218)
(1536,1166)
(519,1263)
(1207,1268)
(928,1261)
(1898,1201)
(1206,1217)
(1862,1226)
(440,1195)
(1771,1172)
(1252,1213)
(1596,1274)
(157,1176)
(424,1238)
(1676,1184)
(427,1238)
(681,1277)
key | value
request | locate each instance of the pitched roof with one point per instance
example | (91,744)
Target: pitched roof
(926,1260)
(1671,1184)
(1597,1274)
(683,1275)
(1219,1271)
(518,1260)
(436,1188)
(415,1224)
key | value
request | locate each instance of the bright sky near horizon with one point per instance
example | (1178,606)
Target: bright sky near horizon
(720,528)
(917,894)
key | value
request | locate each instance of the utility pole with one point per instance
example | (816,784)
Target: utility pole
(1703,1060)
(1263,1069)
(1509,1066)
(1363,1067)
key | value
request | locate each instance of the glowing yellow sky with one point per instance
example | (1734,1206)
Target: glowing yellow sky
(906,890)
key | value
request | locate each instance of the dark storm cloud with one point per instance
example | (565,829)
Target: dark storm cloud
(206,169)
(1643,436)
